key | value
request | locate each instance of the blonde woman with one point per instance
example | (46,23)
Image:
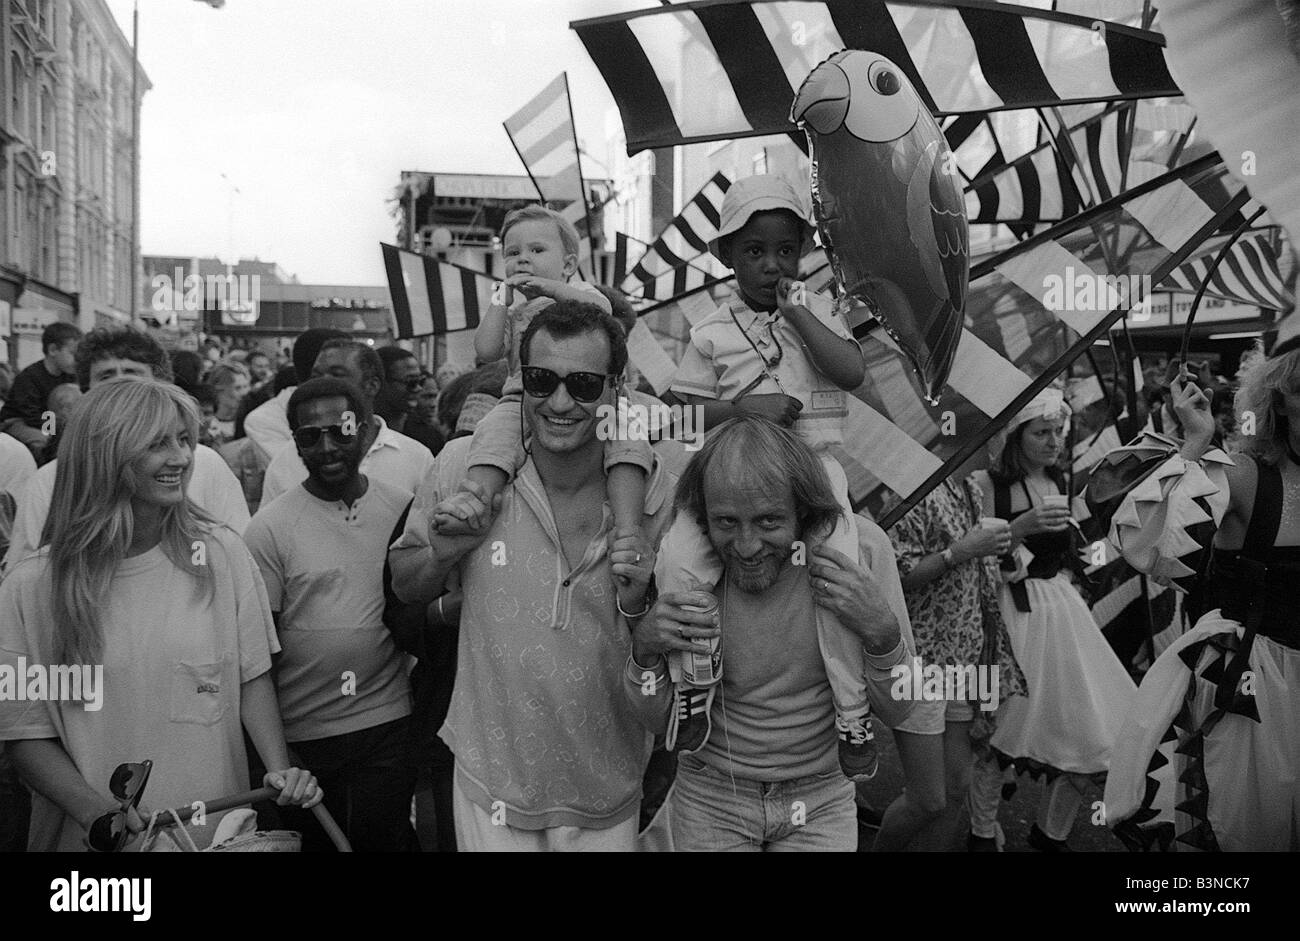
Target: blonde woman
(160,607)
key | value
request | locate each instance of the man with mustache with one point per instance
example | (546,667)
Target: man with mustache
(767,778)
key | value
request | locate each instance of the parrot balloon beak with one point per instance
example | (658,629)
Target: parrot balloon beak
(823,99)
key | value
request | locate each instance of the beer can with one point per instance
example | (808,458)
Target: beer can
(703,667)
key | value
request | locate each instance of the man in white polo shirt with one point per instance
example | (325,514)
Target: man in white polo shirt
(267,426)
(393,458)
(106,353)
(341,681)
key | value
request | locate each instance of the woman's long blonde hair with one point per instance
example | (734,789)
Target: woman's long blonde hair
(1263,381)
(91,523)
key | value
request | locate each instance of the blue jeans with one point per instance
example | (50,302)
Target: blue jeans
(714,812)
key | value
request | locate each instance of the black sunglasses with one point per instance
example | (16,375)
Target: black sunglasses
(582,386)
(108,833)
(308,436)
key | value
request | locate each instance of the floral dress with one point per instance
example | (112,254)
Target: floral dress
(956,619)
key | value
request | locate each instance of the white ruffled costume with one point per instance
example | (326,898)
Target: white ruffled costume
(1223,780)
(1078,691)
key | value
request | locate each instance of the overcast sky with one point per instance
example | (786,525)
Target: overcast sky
(312,108)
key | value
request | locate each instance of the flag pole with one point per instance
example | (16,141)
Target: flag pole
(135,161)
(582,183)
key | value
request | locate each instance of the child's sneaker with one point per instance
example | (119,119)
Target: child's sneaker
(858,757)
(689,725)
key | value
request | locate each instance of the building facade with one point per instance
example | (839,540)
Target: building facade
(253,304)
(67,163)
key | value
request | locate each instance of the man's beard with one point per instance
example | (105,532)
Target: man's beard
(756,579)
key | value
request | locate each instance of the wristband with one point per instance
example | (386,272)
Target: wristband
(639,614)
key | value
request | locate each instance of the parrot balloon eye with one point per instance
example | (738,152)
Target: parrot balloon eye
(883,80)
(892,221)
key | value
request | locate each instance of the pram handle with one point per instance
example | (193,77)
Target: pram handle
(323,816)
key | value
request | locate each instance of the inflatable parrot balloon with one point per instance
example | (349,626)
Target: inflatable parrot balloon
(888,202)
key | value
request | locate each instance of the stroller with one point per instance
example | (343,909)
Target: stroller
(171,830)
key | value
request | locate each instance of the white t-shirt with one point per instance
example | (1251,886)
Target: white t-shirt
(268,424)
(213,487)
(394,458)
(173,664)
(16,464)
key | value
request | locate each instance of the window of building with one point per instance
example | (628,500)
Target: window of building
(19,93)
(48,136)
(49,260)
(124,261)
(22,222)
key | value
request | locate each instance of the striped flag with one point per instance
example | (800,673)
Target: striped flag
(1108,152)
(650,282)
(1248,273)
(543,135)
(714,71)
(431,296)
(663,271)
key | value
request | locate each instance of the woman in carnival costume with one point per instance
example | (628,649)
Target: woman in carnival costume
(1210,752)
(1079,692)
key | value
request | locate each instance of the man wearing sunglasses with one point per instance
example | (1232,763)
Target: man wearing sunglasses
(341,682)
(398,397)
(389,455)
(549,753)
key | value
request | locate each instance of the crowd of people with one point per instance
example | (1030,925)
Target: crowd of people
(460,613)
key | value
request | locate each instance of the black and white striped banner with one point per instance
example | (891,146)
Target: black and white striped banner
(1109,152)
(678,259)
(718,70)
(431,296)
(1248,273)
